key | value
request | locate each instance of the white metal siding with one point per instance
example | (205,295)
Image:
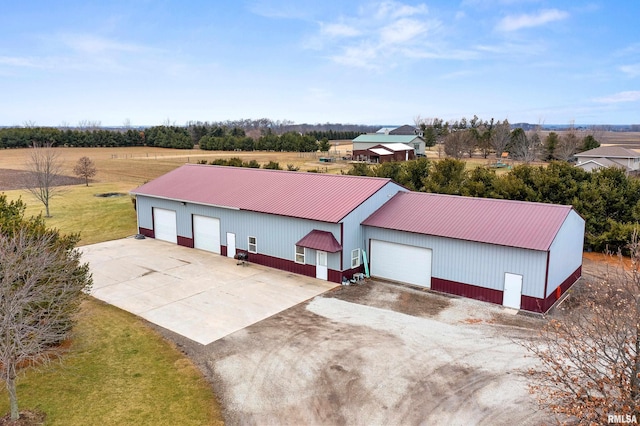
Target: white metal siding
(353,232)
(206,233)
(565,255)
(276,235)
(474,263)
(164,225)
(400,262)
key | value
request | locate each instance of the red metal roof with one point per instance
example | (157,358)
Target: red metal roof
(502,222)
(320,240)
(315,196)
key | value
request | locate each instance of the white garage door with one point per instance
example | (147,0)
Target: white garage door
(206,233)
(164,225)
(400,262)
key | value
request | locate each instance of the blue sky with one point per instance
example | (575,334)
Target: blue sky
(366,62)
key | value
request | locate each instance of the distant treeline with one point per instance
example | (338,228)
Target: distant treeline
(22,137)
(253,128)
(209,137)
(607,198)
(161,136)
(236,140)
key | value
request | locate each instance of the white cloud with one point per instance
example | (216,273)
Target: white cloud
(632,70)
(402,31)
(284,9)
(628,96)
(339,30)
(360,56)
(374,35)
(87,43)
(517,22)
(17,61)
(393,10)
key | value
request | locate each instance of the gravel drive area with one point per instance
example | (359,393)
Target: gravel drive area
(375,354)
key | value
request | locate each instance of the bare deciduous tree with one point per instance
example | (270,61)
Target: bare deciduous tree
(459,142)
(89,124)
(523,147)
(568,144)
(41,285)
(590,360)
(599,133)
(85,168)
(500,137)
(45,173)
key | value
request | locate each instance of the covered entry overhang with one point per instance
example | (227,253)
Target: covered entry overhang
(320,240)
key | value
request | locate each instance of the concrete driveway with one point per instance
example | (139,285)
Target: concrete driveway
(202,296)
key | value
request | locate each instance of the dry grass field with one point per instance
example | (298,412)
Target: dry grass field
(628,139)
(136,165)
(120,170)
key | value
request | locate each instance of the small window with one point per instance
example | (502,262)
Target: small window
(299,254)
(355,258)
(253,245)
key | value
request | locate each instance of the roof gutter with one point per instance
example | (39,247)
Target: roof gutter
(184,201)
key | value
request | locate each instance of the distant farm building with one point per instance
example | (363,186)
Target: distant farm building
(402,130)
(364,142)
(383,153)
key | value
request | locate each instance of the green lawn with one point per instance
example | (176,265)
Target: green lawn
(118,372)
(77,209)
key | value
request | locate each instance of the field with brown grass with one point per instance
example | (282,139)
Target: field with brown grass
(136,165)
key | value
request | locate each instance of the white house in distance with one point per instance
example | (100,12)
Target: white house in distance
(517,254)
(609,156)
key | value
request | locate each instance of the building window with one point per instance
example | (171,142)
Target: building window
(355,258)
(253,245)
(299,254)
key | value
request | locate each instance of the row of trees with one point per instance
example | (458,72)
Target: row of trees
(476,136)
(607,199)
(256,127)
(253,164)
(160,136)
(24,137)
(269,141)
(217,138)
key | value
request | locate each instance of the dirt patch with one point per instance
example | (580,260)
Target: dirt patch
(398,298)
(27,418)
(110,194)
(16,179)
(355,356)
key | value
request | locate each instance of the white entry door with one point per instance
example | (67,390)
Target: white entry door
(231,244)
(512,290)
(206,233)
(321,265)
(165,225)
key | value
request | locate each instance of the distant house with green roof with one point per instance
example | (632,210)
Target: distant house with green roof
(365,142)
